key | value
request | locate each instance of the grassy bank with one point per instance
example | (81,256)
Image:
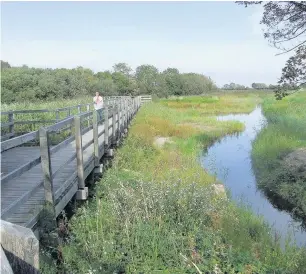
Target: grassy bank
(282,179)
(155,210)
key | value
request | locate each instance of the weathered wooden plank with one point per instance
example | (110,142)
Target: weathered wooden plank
(59,125)
(96,138)
(5,212)
(17,141)
(106,127)
(114,124)
(35,122)
(17,172)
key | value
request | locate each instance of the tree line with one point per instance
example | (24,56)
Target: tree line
(34,84)
(257,86)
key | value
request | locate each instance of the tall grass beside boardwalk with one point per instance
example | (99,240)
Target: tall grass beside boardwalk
(285,133)
(155,210)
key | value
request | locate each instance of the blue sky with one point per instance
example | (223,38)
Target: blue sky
(219,39)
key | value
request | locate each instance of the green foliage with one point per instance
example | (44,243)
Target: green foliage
(33,84)
(285,133)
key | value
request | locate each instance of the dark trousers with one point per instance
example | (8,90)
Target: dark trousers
(99,112)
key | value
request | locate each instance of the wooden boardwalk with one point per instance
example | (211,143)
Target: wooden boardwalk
(32,175)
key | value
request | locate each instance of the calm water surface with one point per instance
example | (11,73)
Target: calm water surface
(230,161)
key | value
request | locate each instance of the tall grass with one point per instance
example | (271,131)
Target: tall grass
(286,132)
(218,103)
(155,210)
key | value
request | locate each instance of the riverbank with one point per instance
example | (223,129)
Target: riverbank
(279,154)
(155,210)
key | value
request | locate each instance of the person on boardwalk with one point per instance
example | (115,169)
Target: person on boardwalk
(98,105)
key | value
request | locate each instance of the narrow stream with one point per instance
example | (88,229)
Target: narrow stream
(230,161)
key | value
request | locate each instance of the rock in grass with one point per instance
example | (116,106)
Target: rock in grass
(160,141)
(219,189)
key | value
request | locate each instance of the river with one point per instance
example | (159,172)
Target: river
(230,161)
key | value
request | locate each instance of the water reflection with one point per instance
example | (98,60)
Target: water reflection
(230,161)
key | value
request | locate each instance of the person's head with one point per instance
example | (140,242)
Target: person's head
(97,93)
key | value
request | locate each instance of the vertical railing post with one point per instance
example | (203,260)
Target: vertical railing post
(11,120)
(95,138)
(106,125)
(87,109)
(125,113)
(119,118)
(46,165)
(79,109)
(48,213)
(79,151)
(114,121)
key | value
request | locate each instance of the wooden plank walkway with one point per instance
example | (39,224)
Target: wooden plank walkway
(23,195)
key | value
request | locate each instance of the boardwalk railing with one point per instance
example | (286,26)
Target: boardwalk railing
(24,118)
(145,99)
(55,173)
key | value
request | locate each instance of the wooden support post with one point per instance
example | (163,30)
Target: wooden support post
(46,165)
(79,152)
(11,120)
(114,137)
(106,125)
(125,113)
(119,119)
(95,138)
(87,109)
(47,217)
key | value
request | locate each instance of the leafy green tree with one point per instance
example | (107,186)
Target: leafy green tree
(123,68)
(147,76)
(5,65)
(285,24)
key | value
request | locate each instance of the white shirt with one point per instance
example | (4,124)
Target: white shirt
(98,105)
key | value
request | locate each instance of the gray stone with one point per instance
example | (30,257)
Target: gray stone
(219,189)
(21,247)
(160,141)
(5,265)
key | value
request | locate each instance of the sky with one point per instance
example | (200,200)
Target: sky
(222,40)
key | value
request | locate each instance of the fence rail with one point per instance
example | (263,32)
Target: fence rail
(11,117)
(145,99)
